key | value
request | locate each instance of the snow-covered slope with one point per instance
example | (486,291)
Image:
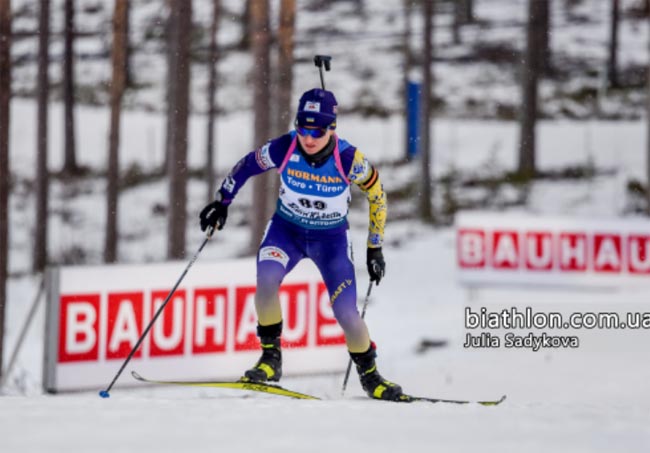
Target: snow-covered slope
(591,399)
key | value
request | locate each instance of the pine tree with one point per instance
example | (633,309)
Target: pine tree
(118,83)
(70,159)
(426,187)
(612,61)
(213,58)
(530,77)
(179,74)
(261,48)
(42,179)
(5,96)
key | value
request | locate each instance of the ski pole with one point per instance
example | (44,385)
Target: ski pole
(320,61)
(363,315)
(104,393)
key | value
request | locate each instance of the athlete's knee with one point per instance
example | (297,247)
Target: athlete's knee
(347,315)
(269,279)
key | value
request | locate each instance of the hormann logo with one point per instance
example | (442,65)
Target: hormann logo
(307,176)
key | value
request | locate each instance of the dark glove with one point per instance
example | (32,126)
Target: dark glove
(214,214)
(376,264)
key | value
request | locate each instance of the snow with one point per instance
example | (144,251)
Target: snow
(594,398)
(471,146)
(591,399)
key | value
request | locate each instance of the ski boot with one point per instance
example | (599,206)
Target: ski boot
(372,382)
(269,366)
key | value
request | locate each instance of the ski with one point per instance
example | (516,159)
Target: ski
(281,391)
(236,385)
(412,399)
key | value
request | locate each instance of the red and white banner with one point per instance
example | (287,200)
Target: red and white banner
(525,249)
(207,330)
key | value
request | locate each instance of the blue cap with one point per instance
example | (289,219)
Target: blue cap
(317,108)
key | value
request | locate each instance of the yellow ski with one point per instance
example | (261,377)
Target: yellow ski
(281,391)
(237,385)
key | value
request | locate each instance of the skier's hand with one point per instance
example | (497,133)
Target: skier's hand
(214,214)
(376,264)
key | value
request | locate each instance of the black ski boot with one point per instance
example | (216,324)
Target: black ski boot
(372,382)
(269,366)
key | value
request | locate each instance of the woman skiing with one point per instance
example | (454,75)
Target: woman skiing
(316,170)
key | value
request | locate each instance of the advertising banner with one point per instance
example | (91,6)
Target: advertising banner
(498,248)
(207,330)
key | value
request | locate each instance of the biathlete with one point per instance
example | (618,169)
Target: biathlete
(316,170)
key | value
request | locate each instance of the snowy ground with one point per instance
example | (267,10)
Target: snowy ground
(594,398)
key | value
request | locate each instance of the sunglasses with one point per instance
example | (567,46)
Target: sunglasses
(315,132)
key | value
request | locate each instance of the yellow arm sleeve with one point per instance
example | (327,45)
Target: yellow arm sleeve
(364,175)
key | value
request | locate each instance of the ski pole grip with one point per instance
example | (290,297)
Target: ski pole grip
(323,60)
